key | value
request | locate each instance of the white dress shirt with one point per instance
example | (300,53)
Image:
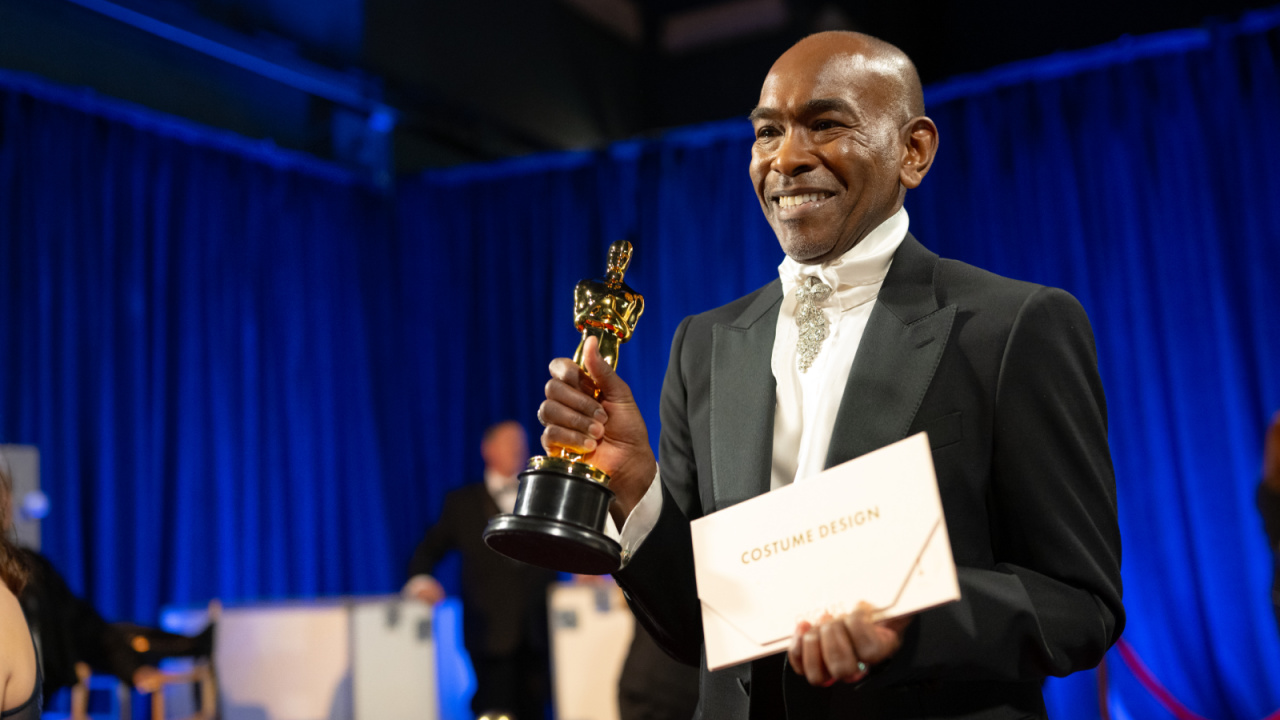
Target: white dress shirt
(805,413)
(503,490)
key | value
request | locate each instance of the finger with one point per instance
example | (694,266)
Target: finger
(889,632)
(553,413)
(569,413)
(566,371)
(890,641)
(555,438)
(795,649)
(601,373)
(873,642)
(566,428)
(576,400)
(838,652)
(811,657)
(862,633)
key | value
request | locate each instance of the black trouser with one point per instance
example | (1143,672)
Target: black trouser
(516,684)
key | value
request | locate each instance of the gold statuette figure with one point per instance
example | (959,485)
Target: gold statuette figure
(563,501)
(608,310)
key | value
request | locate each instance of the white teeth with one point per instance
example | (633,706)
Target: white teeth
(787,201)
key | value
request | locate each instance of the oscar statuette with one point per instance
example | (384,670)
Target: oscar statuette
(563,502)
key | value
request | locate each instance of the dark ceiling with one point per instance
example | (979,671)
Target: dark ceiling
(409,84)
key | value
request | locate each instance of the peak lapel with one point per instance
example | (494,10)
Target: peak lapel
(896,359)
(743,400)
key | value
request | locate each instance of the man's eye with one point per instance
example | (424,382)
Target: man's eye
(767,132)
(824,125)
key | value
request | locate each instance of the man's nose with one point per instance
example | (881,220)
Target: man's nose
(795,156)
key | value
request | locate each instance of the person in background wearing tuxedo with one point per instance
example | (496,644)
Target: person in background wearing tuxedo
(504,603)
(1269,503)
(865,338)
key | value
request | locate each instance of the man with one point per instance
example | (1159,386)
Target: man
(866,338)
(504,603)
(1269,503)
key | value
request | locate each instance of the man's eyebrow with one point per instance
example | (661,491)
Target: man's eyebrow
(822,105)
(816,106)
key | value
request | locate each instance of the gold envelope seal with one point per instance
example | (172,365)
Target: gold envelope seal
(871,529)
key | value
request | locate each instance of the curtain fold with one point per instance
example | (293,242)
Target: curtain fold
(185,336)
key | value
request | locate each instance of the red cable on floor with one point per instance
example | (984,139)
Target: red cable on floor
(1153,686)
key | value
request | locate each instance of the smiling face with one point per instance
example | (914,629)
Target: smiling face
(834,152)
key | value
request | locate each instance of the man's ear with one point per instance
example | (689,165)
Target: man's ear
(919,144)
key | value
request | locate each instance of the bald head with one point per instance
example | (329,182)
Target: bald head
(840,137)
(873,59)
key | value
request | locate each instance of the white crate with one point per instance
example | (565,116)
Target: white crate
(360,658)
(591,630)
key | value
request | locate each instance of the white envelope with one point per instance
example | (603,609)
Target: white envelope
(869,530)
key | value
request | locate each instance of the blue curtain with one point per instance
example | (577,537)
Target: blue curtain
(184,335)
(252,375)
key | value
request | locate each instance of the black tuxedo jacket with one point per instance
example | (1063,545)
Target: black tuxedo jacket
(1003,376)
(504,602)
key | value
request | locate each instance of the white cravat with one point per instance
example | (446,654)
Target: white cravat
(810,399)
(807,402)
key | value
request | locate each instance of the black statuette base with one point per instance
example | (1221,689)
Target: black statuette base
(558,523)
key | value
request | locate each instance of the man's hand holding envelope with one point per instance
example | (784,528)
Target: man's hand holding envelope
(844,649)
(829,569)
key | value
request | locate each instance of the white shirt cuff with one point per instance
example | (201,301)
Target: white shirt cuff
(641,520)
